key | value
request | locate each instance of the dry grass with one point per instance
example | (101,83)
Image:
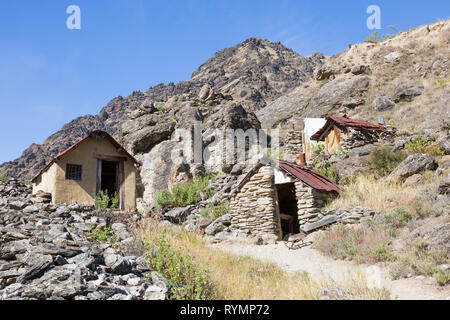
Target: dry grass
(375,193)
(234,277)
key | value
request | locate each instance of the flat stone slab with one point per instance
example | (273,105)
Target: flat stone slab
(325,221)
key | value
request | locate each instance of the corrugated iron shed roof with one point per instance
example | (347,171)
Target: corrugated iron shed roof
(93,133)
(308,176)
(346,122)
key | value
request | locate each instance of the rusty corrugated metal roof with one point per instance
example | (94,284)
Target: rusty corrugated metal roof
(346,122)
(310,177)
(96,132)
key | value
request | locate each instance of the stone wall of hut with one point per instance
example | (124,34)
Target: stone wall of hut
(253,210)
(310,203)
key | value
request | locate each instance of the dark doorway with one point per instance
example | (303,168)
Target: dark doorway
(109,181)
(288,208)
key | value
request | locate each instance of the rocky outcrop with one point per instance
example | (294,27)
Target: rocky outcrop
(48,252)
(407,94)
(369,78)
(314,100)
(413,164)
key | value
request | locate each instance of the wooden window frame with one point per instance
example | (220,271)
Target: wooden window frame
(78,167)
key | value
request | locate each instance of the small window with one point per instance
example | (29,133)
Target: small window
(73,172)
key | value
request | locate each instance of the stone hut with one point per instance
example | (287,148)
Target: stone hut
(344,133)
(95,163)
(276,199)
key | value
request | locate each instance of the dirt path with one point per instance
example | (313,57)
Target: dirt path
(321,267)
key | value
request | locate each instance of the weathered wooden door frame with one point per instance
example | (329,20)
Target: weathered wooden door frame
(120,176)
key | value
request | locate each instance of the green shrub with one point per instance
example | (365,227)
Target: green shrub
(426,259)
(160,108)
(102,235)
(442,277)
(185,194)
(187,280)
(215,211)
(392,221)
(383,160)
(115,201)
(320,146)
(380,251)
(104,201)
(417,145)
(375,37)
(423,145)
(339,152)
(3,178)
(329,172)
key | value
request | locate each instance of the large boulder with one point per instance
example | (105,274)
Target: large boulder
(413,164)
(383,103)
(117,264)
(155,170)
(407,94)
(444,144)
(218,225)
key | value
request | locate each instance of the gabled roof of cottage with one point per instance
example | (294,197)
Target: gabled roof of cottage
(345,122)
(75,145)
(310,177)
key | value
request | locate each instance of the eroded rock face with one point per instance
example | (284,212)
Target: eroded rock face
(413,164)
(46,253)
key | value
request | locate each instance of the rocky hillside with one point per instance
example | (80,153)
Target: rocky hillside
(405,79)
(254,73)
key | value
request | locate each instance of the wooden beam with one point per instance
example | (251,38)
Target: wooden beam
(122,185)
(109,158)
(99,177)
(336,133)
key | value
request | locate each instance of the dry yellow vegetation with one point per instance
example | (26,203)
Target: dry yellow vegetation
(235,277)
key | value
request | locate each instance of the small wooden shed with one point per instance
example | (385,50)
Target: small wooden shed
(337,129)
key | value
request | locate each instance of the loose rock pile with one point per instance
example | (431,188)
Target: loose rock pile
(359,138)
(47,252)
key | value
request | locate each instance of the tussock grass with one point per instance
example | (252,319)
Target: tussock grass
(234,277)
(359,243)
(373,192)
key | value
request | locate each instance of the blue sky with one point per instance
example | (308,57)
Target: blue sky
(50,75)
